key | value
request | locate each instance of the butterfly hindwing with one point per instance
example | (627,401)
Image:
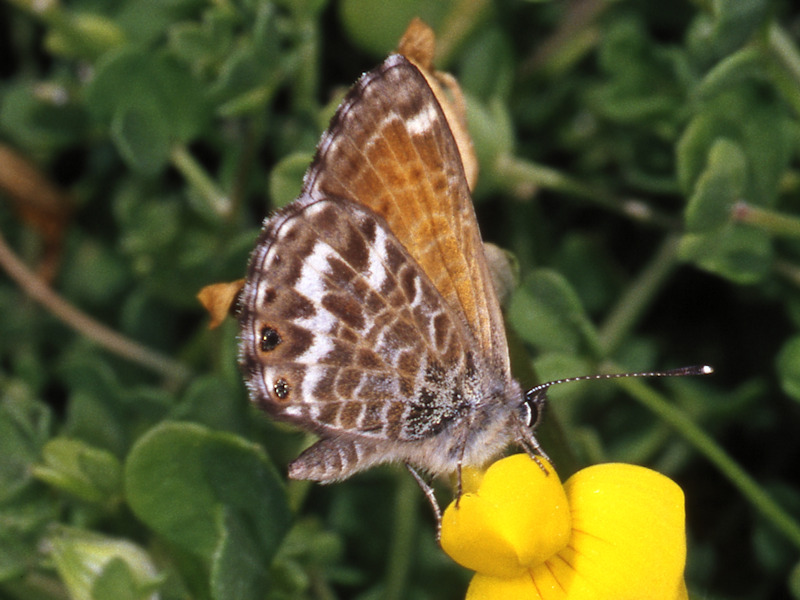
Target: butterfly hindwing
(343,333)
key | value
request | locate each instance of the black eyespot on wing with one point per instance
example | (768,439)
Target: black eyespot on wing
(281,389)
(270,338)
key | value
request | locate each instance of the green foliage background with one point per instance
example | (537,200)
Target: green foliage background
(639,159)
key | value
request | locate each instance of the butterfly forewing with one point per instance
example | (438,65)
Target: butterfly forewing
(389,148)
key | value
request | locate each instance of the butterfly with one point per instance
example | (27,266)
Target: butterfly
(368,315)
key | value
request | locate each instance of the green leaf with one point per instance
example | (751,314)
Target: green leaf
(492,136)
(740,253)
(118,582)
(718,188)
(151,86)
(547,313)
(376,26)
(179,475)
(81,557)
(214,402)
(641,84)
(252,69)
(731,24)
(37,119)
(736,148)
(151,225)
(142,138)
(83,35)
(207,43)
(26,507)
(77,468)
(148,21)
(238,568)
(286,178)
(94,274)
(788,366)
(104,412)
(486,68)
(24,428)
(748,64)
(754,119)
(149,105)
(309,549)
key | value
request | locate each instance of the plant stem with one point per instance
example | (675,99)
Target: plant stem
(197,177)
(638,296)
(785,52)
(403,534)
(772,221)
(516,172)
(788,270)
(702,442)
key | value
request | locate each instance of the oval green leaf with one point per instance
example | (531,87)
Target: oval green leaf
(178,477)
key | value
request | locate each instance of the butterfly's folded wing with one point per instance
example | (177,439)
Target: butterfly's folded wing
(390,148)
(368,314)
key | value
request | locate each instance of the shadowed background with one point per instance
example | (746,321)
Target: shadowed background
(639,161)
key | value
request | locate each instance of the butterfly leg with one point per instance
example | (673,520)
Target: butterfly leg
(459,480)
(531,446)
(462,449)
(428,491)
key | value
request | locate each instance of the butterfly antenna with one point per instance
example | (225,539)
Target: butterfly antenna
(536,396)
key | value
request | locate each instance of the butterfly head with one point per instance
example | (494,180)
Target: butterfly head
(533,404)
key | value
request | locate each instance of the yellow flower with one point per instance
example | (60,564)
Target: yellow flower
(611,531)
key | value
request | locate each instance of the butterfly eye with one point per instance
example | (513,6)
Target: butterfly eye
(532,406)
(270,338)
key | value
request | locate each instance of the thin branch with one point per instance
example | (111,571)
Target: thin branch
(82,323)
(515,172)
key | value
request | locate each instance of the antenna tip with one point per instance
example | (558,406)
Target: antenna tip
(693,370)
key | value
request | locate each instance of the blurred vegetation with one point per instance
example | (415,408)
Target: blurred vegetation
(640,160)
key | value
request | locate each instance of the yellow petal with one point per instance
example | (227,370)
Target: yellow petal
(628,539)
(519,517)
(471,479)
(486,587)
